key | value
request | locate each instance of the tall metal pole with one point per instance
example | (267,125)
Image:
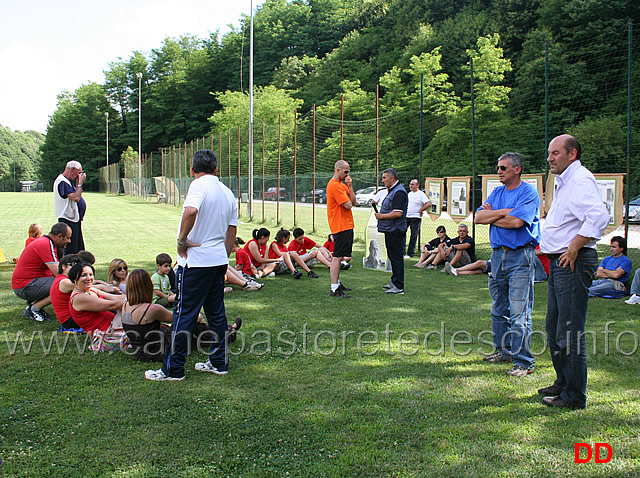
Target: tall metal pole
(421,123)
(139,75)
(250,202)
(106,122)
(473,152)
(546,106)
(629,97)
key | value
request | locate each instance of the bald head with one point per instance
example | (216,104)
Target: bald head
(563,150)
(341,170)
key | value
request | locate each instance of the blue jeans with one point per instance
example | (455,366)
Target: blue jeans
(635,284)
(395,241)
(197,287)
(604,287)
(511,289)
(566,318)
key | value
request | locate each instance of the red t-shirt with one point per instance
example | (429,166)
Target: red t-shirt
(242,257)
(29,240)
(281,247)
(33,262)
(301,249)
(261,249)
(60,300)
(90,321)
(329,245)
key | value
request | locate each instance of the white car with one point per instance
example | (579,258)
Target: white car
(365,197)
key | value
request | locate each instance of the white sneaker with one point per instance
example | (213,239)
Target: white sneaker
(430,267)
(447,268)
(252,285)
(394,290)
(207,367)
(634,299)
(271,274)
(159,375)
(453,270)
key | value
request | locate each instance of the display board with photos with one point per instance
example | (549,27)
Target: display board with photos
(458,188)
(610,187)
(491,181)
(434,189)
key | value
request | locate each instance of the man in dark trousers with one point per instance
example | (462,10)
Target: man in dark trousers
(392,221)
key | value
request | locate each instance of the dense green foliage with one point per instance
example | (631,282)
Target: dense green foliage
(19,156)
(311,52)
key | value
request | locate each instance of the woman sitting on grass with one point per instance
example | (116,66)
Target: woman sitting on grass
(257,250)
(117,275)
(91,309)
(430,249)
(278,250)
(143,321)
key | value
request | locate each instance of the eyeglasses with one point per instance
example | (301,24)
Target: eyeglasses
(501,168)
(120,269)
(345,171)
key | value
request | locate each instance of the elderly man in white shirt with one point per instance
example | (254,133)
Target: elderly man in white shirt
(418,203)
(576,220)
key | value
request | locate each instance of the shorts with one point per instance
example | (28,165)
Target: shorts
(464,260)
(343,243)
(36,290)
(310,262)
(281,268)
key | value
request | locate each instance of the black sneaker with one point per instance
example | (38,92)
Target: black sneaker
(37,315)
(344,265)
(339,293)
(297,274)
(313,275)
(343,288)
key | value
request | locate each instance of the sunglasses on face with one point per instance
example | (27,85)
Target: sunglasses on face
(502,168)
(120,269)
(345,171)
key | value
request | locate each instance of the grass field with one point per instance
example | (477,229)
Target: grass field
(373,386)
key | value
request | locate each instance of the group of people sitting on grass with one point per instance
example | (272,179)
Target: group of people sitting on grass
(256,260)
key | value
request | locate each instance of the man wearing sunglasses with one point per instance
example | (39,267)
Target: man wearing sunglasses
(340,200)
(513,211)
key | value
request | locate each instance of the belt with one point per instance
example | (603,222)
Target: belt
(505,248)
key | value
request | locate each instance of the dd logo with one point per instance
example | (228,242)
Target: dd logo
(598,457)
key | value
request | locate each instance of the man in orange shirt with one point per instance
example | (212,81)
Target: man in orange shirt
(340,200)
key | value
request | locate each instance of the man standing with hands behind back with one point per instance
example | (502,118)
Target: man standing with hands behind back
(340,200)
(69,205)
(418,203)
(576,220)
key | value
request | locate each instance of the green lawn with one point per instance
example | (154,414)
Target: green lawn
(372,386)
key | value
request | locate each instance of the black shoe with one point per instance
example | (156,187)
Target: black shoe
(552,391)
(313,275)
(297,274)
(339,293)
(37,315)
(560,403)
(343,288)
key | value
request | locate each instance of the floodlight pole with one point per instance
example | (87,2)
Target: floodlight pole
(106,122)
(139,75)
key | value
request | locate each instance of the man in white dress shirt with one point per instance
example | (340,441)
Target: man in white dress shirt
(576,220)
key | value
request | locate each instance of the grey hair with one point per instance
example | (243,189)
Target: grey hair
(391,172)
(74,165)
(515,159)
(462,224)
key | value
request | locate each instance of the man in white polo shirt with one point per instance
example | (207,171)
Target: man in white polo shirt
(418,203)
(206,235)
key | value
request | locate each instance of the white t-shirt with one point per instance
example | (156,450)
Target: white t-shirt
(217,210)
(416,201)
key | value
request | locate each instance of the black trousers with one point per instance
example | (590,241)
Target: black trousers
(395,242)
(77,242)
(414,224)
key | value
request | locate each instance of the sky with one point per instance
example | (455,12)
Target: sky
(47,47)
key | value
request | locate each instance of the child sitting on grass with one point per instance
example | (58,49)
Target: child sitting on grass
(161,286)
(35,231)
(302,244)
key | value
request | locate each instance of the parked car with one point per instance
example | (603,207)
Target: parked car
(272,195)
(633,211)
(364,197)
(320,196)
